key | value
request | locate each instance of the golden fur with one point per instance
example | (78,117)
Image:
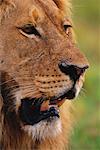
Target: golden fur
(29,67)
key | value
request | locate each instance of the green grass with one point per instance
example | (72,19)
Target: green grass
(86,134)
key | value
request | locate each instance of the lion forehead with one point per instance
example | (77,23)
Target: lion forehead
(8,6)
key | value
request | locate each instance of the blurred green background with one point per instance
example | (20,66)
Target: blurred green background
(86,135)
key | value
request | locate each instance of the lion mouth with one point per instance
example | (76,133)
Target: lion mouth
(34,110)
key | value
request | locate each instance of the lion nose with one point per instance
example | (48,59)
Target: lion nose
(73,71)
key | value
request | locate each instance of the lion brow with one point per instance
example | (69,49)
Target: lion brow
(6,7)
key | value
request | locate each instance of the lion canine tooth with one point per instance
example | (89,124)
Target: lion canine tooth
(59,99)
(44,105)
(60,102)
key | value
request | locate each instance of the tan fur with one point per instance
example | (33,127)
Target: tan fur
(29,68)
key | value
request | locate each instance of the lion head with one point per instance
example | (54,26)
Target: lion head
(41,66)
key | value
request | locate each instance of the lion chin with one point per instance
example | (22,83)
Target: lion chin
(44,129)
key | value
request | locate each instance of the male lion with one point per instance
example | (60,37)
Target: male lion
(40,67)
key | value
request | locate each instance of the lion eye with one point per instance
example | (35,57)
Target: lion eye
(66,26)
(29,30)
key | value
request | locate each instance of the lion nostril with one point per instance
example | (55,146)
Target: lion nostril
(72,70)
(79,70)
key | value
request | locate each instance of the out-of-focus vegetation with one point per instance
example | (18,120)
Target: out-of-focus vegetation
(86,18)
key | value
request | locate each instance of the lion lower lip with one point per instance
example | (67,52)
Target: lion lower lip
(52,111)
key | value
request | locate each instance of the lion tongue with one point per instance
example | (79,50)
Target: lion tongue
(44,105)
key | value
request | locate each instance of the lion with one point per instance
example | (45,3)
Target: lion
(41,71)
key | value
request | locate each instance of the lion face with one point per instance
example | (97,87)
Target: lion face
(40,63)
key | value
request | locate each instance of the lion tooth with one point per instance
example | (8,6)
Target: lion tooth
(44,105)
(59,99)
(60,102)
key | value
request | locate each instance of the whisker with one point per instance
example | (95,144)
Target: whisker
(20,87)
(82,93)
(6,82)
(84,90)
(32,94)
(13,89)
(23,61)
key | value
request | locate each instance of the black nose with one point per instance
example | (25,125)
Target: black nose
(72,70)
